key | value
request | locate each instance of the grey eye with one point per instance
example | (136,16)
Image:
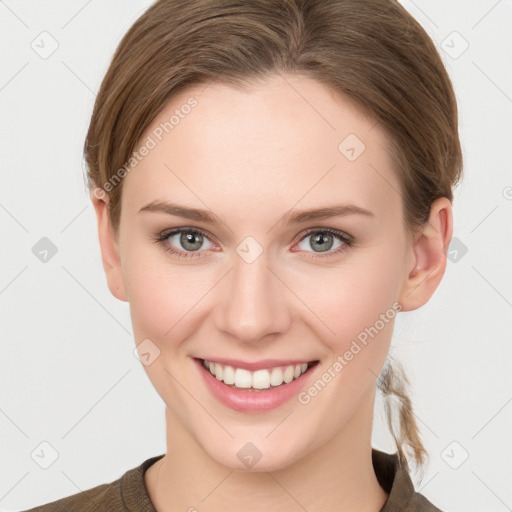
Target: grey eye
(320,241)
(188,240)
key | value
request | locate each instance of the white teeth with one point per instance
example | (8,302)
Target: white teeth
(259,379)
(276,377)
(229,375)
(288,374)
(218,371)
(243,378)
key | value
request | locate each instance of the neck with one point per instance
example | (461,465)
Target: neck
(337,476)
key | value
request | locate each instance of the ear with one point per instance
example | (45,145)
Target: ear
(108,245)
(428,256)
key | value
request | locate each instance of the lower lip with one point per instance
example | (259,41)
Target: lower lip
(254,401)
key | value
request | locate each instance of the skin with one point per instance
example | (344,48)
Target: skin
(249,157)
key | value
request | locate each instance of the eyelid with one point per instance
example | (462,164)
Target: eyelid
(342,234)
(166,233)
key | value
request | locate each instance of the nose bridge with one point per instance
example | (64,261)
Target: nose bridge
(253,306)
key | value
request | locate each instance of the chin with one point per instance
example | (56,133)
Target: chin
(258,457)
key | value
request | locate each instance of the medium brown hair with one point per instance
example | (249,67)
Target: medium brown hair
(371,52)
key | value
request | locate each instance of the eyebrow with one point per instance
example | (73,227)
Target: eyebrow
(291,217)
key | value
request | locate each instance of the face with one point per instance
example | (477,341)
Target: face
(257,282)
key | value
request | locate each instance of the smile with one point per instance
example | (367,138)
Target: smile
(264,387)
(266,378)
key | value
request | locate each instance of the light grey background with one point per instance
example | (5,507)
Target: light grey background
(68,373)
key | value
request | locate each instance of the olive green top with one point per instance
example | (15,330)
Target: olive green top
(129,492)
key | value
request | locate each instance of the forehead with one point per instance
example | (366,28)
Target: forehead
(285,140)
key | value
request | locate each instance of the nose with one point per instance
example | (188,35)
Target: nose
(254,304)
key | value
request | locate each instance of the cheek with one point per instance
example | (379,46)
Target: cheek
(359,306)
(164,296)
(165,300)
(353,296)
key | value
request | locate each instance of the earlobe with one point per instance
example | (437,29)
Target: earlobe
(109,247)
(428,256)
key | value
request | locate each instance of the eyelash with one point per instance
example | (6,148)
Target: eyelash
(162,239)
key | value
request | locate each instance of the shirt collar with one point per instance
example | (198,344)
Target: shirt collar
(391,475)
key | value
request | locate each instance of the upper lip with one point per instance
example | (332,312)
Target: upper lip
(258,365)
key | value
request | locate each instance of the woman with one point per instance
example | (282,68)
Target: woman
(273,183)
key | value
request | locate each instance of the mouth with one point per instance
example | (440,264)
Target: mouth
(266,375)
